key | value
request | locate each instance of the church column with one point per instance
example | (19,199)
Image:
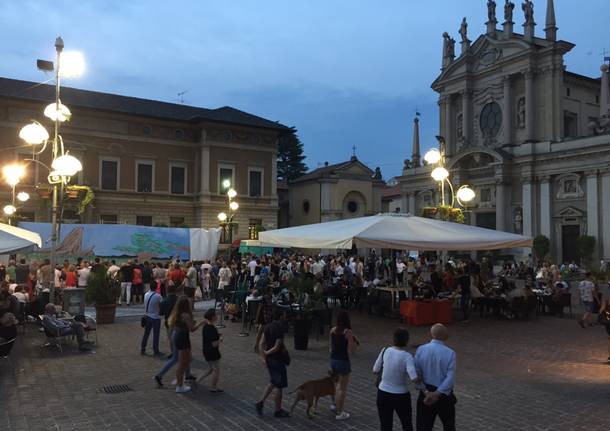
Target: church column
(273,178)
(449,144)
(592,207)
(545,207)
(500,206)
(530,127)
(528,214)
(205,164)
(507,113)
(466,115)
(412,209)
(606,215)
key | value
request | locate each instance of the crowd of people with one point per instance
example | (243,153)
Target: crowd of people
(168,291)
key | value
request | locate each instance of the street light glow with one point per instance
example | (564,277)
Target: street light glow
(9,210)
(222,216)
(66,165)
(465,194)
(72,64)
(62,114)
(231,193)
(226,184)
(234,205)
(13,174)
(23,196)
(34,133)
(440,173)
(433,156)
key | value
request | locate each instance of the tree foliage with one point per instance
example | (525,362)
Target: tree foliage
(585,245)
(542,246)
(290,157)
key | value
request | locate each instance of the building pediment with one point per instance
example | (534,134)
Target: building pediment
(355,168)
(569,212)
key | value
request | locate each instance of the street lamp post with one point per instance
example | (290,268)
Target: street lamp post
(63,165)
(226,218)
(440,174)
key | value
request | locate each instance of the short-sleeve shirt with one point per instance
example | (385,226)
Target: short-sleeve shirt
(398,369)
(586,288)
(210,334)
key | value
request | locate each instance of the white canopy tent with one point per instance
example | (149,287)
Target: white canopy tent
(15,240)
(396,231)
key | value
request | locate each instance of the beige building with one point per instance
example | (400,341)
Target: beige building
(335,192)
(148,162)
(531,138)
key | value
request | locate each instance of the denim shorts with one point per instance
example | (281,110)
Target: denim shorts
(590,306)
(278,376)
(340,367)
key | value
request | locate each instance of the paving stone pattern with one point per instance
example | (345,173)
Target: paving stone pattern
(543,374)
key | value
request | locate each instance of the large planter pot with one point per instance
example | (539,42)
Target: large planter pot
(301,333)
(105,313)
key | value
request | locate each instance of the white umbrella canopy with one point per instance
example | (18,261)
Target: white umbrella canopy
(15,240)
(397,231)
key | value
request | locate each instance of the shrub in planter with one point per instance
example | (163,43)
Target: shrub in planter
(103,291)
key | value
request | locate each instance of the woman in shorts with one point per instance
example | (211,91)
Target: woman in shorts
(342,344)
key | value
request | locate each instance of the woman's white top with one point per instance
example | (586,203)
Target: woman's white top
(398,370)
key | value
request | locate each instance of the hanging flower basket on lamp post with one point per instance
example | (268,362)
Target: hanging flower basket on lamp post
(43,191)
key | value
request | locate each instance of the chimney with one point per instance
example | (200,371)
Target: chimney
(415,157)
(550,27)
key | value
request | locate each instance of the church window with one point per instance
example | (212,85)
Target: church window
(491,119)
(485,195)
(570,124)
(568,91)
(352,207)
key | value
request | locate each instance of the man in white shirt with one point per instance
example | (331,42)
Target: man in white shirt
(113,269)
(83,274)
(224,276)
(588,296)
(152,317)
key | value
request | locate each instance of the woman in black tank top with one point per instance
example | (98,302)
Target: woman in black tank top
(342,344)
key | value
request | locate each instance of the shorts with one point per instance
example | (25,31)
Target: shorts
(214,364)
(340,367)
(182,340)
(278,376)
(590,306)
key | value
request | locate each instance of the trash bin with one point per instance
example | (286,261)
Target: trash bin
(74,300)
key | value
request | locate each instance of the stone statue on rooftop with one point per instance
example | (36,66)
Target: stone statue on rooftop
(449,46)
(491,10)
(528,11)
(508,11)
(464,31)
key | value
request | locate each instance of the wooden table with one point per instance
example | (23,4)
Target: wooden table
(393,291)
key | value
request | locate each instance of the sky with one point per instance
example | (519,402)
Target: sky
(345,73)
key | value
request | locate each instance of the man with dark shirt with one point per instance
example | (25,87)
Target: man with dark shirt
(22,271)
(126,272)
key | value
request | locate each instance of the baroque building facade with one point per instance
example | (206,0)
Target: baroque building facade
(531,138)
(148,162)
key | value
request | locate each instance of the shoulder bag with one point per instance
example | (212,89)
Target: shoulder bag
(379,375)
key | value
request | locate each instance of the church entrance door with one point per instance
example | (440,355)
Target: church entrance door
(569,234)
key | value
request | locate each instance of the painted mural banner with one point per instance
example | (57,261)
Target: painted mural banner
(116,240)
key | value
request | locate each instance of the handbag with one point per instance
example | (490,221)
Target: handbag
(144,319)
(379,375)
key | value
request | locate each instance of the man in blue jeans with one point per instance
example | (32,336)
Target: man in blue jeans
(152,304)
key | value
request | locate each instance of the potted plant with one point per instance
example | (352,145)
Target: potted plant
(74,191)
(44,191)
(103,291)
(302,289)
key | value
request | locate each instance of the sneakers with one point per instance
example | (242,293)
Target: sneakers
(182,389)
(259,408)
(333,408)
(342,416)
(159,382)
(281,414)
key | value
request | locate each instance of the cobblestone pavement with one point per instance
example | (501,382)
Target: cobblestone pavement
(543,374)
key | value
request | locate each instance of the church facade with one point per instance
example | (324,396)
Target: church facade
(531,138)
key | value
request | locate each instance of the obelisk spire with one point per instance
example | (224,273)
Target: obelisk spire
(415,157)
(550,27)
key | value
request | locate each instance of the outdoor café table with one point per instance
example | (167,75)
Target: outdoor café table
(426,312)
(393,291)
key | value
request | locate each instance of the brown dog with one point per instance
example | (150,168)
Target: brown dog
(314,390)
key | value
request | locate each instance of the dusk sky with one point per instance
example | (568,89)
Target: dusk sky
(342,72)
